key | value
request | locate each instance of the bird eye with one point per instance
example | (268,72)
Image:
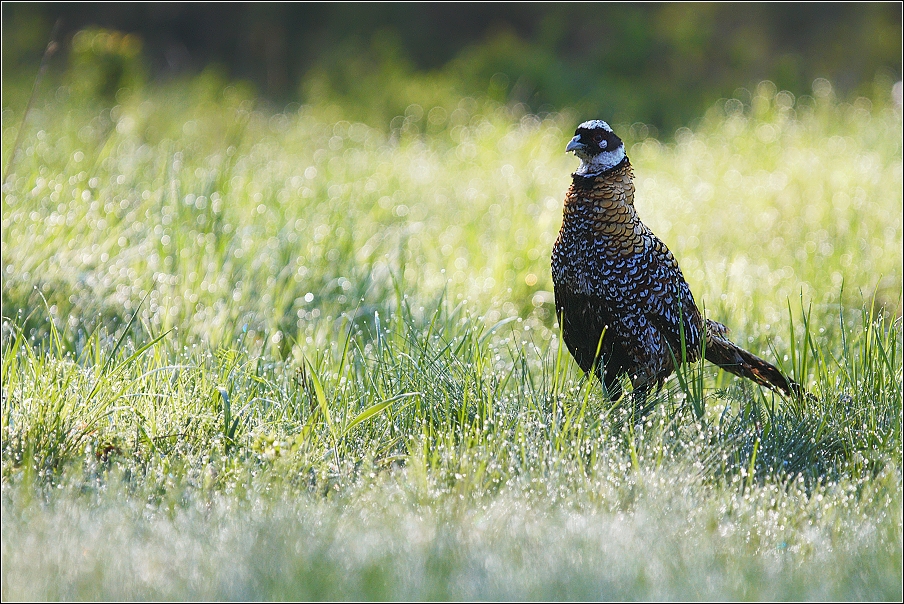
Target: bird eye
(597,138)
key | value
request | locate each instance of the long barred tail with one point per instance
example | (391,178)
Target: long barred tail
(732,358)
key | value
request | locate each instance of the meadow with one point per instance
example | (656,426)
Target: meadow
(266,353)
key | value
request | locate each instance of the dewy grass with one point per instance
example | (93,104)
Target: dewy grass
(251,354)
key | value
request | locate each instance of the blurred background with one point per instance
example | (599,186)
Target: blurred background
(660,64)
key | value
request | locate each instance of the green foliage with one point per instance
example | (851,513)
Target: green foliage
(249,353)
(657,63)
(104,62)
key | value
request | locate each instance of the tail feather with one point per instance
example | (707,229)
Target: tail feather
(732,358)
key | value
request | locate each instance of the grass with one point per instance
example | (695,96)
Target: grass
(265,354)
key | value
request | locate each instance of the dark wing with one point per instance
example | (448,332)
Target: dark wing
(667,301)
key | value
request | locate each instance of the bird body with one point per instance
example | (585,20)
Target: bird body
(623,305)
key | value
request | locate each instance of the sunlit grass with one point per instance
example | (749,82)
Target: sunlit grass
(261,354)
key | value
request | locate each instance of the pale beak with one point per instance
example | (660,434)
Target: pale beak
(574,144)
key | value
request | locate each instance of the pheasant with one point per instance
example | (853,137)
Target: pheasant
(621,300)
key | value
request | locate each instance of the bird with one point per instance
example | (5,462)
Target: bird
(622,303)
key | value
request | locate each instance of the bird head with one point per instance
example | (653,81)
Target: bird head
(597,146)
